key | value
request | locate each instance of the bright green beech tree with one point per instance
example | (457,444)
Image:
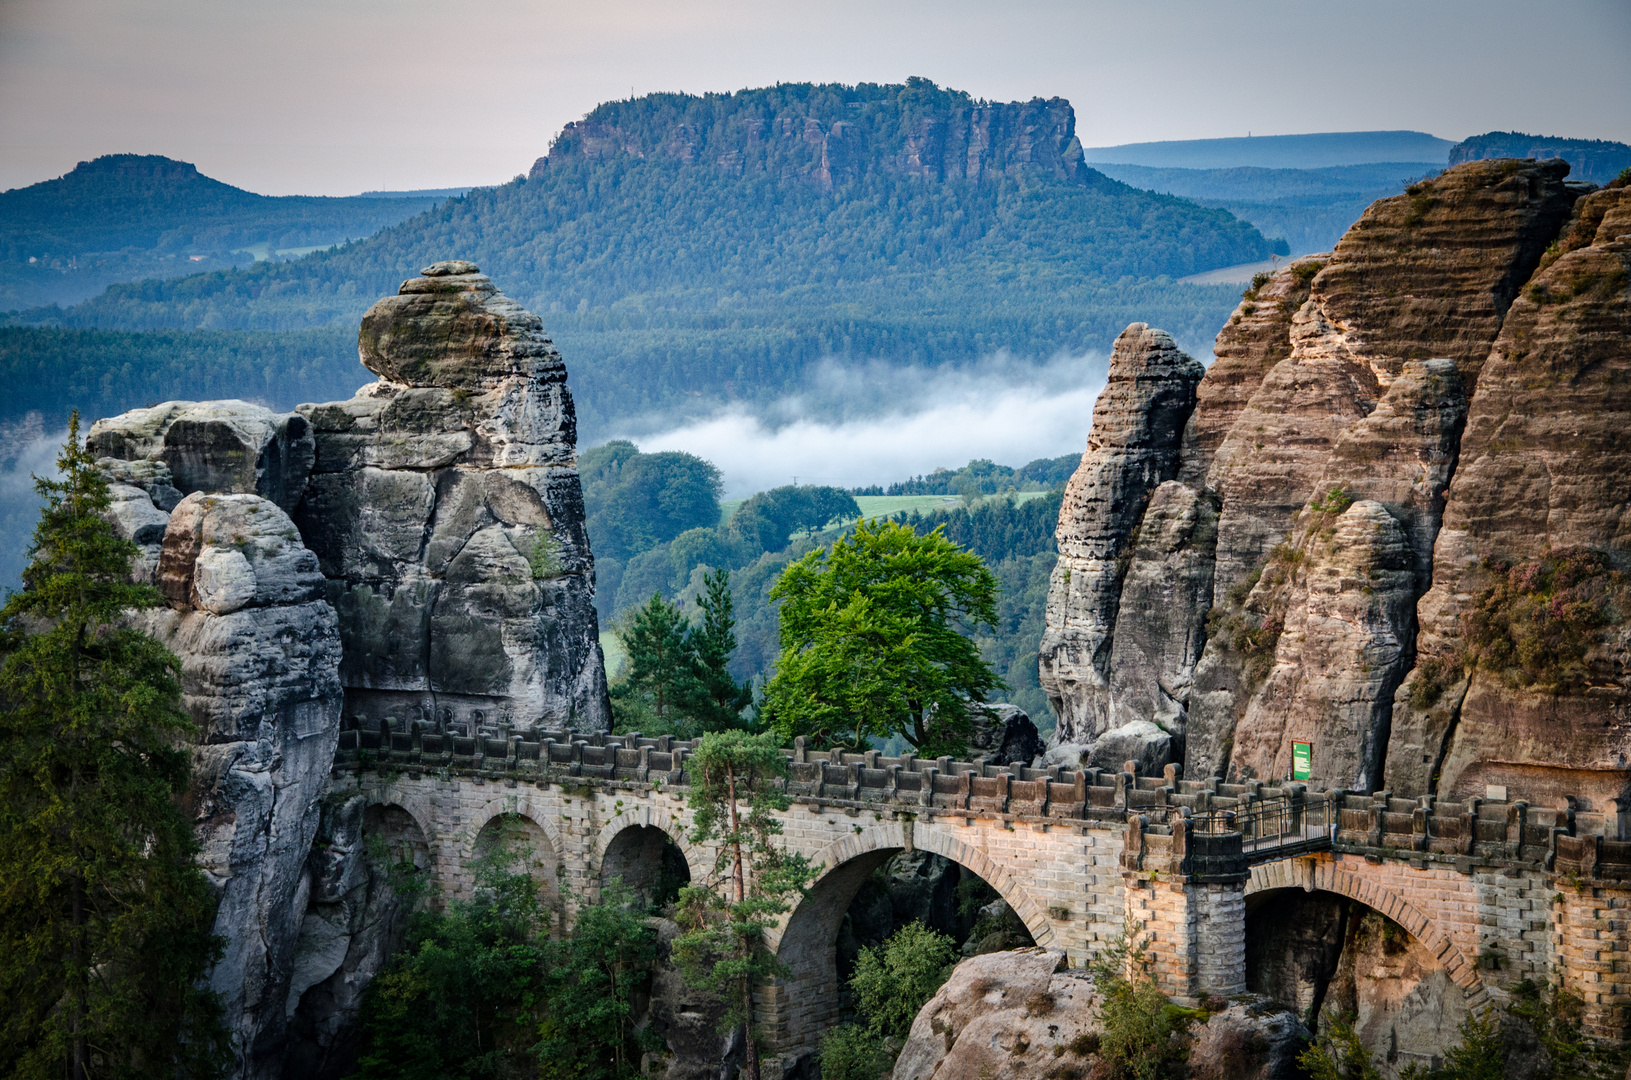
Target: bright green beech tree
(874,644)
(104,917)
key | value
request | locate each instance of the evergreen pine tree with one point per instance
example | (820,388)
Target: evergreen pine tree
(735,789)
(104,917)
(658,680)
(717,698)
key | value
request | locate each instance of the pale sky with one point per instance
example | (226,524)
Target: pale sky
(333,97)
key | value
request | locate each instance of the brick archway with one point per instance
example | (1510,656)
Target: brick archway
(1315,874)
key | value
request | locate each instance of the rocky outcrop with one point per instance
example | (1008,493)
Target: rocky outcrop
(1138,424)
(1020,1014)
(1545,466)
(260,657)
(353,921)
(1595,161)
(1421,431)
(445,509)
(1427,274)
(435,571)
(685,1021)
(1004,733)
(1160,627)
(1255,339)
(1339,657)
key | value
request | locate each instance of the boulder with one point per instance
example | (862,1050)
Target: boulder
(1020,1014)
(1005,734)
(1143,742)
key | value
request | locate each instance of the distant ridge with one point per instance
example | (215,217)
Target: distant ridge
(1317,151)
(1596,161)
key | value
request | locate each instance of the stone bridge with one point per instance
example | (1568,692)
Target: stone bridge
(1496,891)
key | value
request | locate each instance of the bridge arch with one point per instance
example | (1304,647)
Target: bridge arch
(800,1007)
(626,843)
(1328,875)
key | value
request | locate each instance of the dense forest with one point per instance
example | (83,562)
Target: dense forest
(655,524)
(127,216)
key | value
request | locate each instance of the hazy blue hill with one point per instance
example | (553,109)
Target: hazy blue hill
(1311,208)
(126,216)
(1317,151)
(1596,161)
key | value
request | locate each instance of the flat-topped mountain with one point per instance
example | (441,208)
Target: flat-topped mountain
(1595,161)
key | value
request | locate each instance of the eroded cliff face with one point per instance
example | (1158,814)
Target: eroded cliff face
(1132,450)
(1544,469)
(413,556)
(1395,438)
(445,510)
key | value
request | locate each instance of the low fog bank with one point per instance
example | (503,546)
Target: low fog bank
(26,451)
(875,424)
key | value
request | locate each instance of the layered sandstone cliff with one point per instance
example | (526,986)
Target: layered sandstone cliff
(1426,426)
(412,558)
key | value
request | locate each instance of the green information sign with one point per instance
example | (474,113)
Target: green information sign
(1302,760)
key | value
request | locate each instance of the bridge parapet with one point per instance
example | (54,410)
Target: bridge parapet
(1077,852)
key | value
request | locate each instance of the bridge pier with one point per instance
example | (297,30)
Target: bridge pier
(1592,917)
(1185,895)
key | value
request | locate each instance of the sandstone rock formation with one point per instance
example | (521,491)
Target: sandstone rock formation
(260,658)
(435,572)
(1004,733)
(1015,1015)
(1439,391)
(445,509)
(1138,425)
(1545,466)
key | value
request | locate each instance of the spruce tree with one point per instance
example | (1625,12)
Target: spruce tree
(658,680)
(104,916)
(717,698)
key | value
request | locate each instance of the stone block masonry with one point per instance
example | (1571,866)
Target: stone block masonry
(1495,892)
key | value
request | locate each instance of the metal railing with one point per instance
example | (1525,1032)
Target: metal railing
(1274,823)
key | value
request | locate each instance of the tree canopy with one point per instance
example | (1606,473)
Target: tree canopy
(105,919)
(874,643)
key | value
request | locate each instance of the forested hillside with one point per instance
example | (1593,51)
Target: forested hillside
(655,524)
(128,216)
(686,251)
